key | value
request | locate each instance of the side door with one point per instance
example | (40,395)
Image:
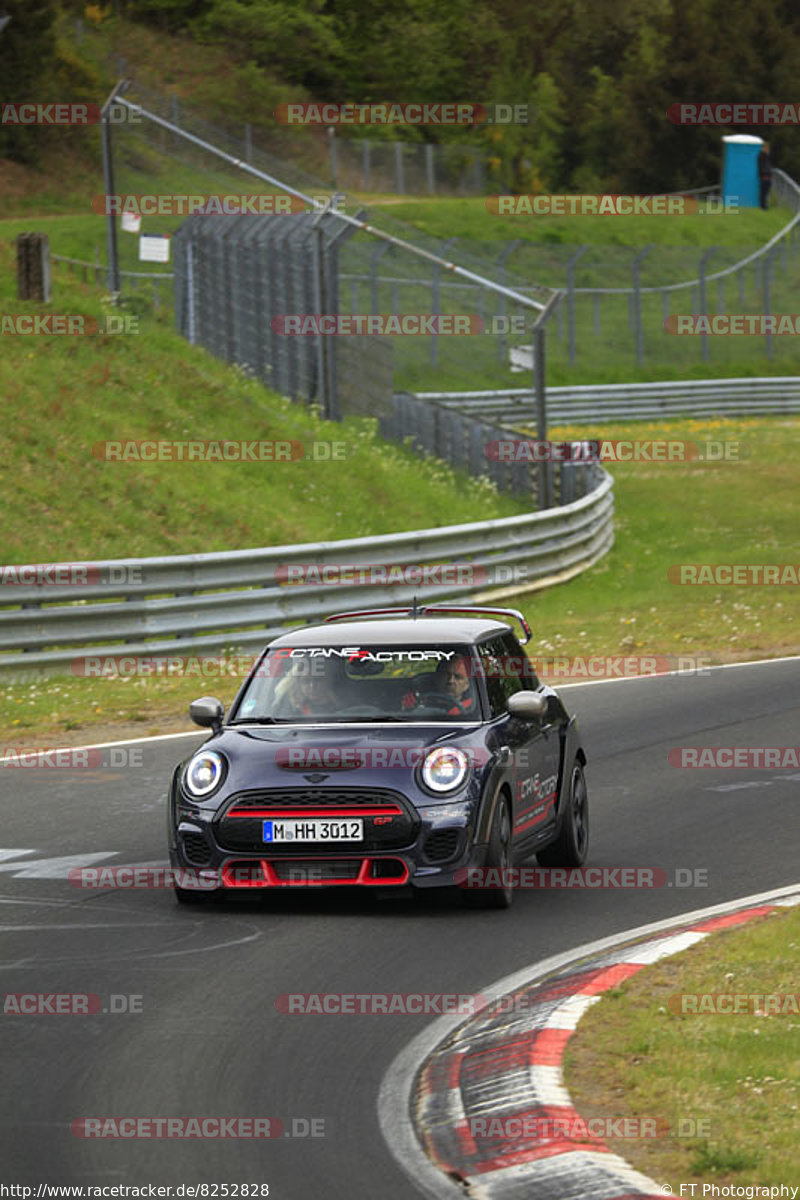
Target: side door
(537,755)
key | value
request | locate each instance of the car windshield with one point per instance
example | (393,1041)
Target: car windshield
(363,683)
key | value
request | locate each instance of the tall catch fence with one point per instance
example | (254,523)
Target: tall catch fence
(618,299)
(275,292)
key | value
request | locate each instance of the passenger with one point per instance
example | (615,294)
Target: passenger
(309,692)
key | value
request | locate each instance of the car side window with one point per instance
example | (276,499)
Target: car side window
(518,665)
(501,680)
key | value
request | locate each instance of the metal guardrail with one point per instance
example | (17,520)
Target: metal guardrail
(202,603)
(595,404)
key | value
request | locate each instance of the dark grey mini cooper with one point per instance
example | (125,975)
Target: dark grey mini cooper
(392,748)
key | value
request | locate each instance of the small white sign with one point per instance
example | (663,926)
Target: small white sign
(131,222)
(154,248)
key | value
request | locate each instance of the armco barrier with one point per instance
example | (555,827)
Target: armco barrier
(594,404)
(211,602)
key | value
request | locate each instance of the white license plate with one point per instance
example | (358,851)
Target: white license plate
(321,830)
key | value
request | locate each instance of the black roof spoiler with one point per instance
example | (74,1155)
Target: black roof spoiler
(424,610)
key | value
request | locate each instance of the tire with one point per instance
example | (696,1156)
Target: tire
(498,858)
(572,844)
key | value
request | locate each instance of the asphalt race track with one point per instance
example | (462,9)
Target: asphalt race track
(209,1041)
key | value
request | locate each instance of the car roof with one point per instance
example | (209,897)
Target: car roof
(422,631)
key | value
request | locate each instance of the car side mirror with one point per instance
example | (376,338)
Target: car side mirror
(208,711)
(529,706)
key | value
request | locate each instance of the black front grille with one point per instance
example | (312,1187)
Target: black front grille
(441,845)
(314,797)
(196,849)
(393,824)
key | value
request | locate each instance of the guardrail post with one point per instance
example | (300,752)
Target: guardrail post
(571,264)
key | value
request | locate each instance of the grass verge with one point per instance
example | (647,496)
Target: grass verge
(741,512)
(635,1055)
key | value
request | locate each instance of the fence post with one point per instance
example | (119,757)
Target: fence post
(365,164)
(190,308)
(113,276)
(571,262)
(429,169)
(374,260)
(173,114)
(637,298)
(33,267)
(510,248)
(767,278)
(400,185)
(436,295)
(596,313)
(332,142)
(740,280)
(701,273)
(248,142)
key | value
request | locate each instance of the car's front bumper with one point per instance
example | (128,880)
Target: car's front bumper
(422,847)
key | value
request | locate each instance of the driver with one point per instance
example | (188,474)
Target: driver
(452,679)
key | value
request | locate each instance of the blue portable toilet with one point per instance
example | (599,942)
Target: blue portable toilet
(740,170)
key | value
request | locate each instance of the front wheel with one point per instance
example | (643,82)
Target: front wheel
(498,893)
(572,844)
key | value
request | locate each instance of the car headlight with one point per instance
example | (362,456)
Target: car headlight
(445,769)
(204,773)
